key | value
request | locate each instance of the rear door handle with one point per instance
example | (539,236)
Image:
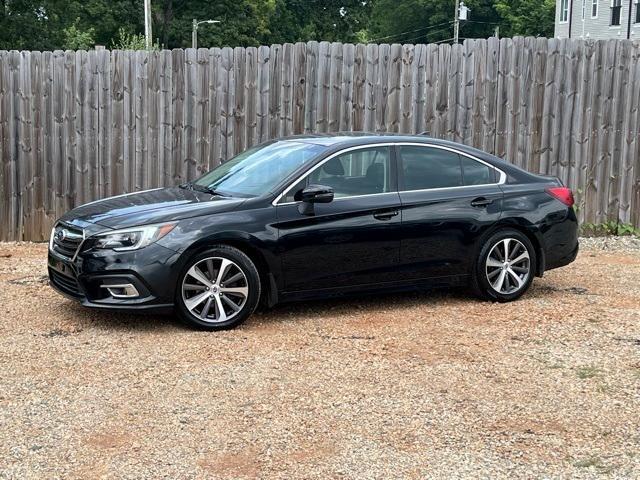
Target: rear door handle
(481,202)
(386,215)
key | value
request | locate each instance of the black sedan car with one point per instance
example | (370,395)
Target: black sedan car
(317,215)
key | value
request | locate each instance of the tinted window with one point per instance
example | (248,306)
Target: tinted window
(425,167)
(360,172)
(476,173)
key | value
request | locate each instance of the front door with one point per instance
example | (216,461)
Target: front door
(354,240)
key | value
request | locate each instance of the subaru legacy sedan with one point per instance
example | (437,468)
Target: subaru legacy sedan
(317,216)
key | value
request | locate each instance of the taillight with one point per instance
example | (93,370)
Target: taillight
(564,194)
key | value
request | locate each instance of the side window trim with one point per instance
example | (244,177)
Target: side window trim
(392,164)
(397,180)
(501,176)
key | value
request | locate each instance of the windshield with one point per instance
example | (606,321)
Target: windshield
(259,169)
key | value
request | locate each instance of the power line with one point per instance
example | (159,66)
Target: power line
(478,21)
(452,38)
(439,30)
(410,31)
(445,40)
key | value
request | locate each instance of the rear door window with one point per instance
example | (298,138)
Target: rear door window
(427,167)
(476,173)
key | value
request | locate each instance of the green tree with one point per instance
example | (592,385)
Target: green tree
(526,17)
(131,41)
(76,39)
(56,24)
(243,22)
(330,20)
(106,17)
(30,25)
(426,21)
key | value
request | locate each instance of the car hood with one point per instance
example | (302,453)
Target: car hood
(150,206)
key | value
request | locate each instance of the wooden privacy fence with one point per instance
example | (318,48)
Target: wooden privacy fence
(78,126)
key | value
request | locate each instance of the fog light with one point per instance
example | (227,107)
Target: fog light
(124,290)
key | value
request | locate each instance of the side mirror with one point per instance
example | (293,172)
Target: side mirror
(311,195)
(317,194)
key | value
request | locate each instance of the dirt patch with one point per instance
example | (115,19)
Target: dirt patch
(417,385)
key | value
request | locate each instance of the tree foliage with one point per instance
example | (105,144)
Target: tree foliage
(527,17)
(329,20)
(131,41)
(77,39)
(75,24)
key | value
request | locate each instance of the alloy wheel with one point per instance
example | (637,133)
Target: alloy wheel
(215,289)
(508,266)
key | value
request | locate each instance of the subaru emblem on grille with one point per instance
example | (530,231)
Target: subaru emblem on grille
(61,235)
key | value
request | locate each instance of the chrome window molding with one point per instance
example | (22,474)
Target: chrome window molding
(501,180)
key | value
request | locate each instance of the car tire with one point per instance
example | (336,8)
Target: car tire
(218,289)
(504,280)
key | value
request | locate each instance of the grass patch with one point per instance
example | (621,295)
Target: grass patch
(595,463)
(587,372)
(609,228)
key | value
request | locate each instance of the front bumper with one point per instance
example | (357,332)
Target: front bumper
(150,270)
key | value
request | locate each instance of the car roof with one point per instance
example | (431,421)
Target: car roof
(353,138)
(339,140)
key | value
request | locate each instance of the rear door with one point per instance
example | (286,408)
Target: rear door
(449,199)
(354,240)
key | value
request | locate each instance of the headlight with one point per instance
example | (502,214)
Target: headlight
(132,238)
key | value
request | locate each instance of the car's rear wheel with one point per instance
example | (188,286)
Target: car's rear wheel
(218,289)
(505,265)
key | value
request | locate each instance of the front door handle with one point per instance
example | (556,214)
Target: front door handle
(481,202)
(386,215)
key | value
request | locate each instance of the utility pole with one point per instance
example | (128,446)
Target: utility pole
(147,24)
(194,34)
(456,23)
(462,13)
(194,31)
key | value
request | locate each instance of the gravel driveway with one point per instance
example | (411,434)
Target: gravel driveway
(428,385)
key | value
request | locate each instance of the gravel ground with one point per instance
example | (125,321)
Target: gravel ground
(431,385)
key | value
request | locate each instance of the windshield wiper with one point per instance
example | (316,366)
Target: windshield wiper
(202,188)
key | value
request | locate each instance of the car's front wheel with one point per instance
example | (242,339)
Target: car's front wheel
(218,289)
(504,268)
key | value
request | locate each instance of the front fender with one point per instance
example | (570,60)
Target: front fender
(249,231)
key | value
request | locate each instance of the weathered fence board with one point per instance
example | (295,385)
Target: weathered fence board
(78,126)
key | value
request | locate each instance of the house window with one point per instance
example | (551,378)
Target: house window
(637,12)
(564,11)
(594,8)
(616,8)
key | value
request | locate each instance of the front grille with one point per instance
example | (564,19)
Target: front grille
(66,284)
(66,240)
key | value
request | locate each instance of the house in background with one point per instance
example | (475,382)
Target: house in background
(598,19)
